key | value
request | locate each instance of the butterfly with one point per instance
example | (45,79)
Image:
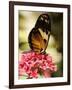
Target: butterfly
(39,36)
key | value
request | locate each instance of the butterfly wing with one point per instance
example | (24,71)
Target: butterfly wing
(45,37)
(38,40)
(39,35)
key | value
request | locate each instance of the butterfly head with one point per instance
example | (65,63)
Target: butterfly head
(43,22)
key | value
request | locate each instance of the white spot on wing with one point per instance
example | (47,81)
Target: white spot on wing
(43,34)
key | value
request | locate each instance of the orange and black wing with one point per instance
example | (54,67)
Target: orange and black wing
(39,35)
(36,40)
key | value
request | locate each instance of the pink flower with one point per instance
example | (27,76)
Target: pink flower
(31,63)
(34,74)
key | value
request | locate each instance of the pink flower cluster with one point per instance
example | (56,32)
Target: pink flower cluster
(31,63)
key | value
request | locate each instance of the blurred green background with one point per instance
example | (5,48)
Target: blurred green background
(27,21)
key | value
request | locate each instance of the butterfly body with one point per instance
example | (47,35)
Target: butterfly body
(39,35)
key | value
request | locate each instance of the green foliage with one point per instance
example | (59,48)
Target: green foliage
(59,72)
